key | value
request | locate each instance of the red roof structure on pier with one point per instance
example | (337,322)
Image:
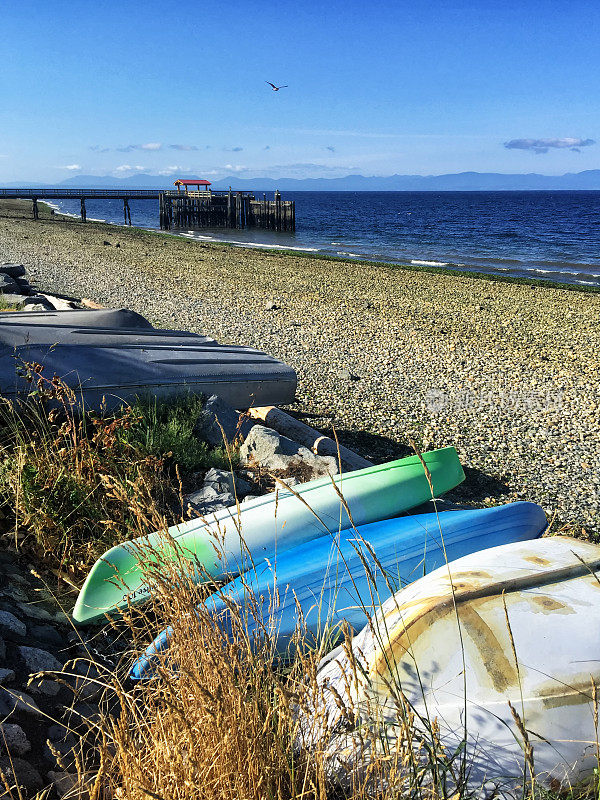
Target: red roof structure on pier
(191,182)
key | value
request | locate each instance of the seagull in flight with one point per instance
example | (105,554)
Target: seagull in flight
(276,88)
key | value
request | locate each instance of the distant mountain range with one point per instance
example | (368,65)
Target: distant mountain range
(459,182)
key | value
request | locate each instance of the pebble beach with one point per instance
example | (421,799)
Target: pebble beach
(505,372)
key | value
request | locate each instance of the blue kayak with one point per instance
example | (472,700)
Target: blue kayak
(346,577)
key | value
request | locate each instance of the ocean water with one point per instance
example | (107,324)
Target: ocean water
(548,235)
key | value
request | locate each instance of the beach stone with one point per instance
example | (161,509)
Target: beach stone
(347,375)
(250,497)
(64,783)
(223,481)
(20,773)
(11,625)
(47,635)
(14,738)
(17,701)
(24,285)
(275,452)
(8,284)
(35,612)
(12,269)
(37,660)
(271,306)
(217,413)
(207,500)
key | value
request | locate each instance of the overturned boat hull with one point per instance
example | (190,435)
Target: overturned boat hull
(106,364)
(498,652)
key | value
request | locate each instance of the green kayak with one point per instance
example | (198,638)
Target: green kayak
(227,544)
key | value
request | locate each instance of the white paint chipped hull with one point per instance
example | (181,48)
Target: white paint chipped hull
(449,651)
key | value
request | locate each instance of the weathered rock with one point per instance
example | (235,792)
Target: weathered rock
(65,782)
(59,303)
(17,701)
(35,611)
(15,593)
(218,414)
(2,649)
(250,497)
(20,773)
(207,500)
(8,284)
(14,739)
(24,285)
(222,481)
(11,625)
(37,660)
(6,675)
(12,269)
(275,452)
(347,375)
(47,635)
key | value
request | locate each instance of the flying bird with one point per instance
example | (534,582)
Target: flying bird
(276,88)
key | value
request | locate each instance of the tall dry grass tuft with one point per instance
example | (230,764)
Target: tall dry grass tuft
(218,719)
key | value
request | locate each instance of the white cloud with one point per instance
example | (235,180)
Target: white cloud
(129,168)
(71,166)
(170,170)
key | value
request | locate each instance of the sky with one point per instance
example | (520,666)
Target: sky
(380,88)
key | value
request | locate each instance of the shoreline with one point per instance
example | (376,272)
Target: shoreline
(504,370)
(441,268)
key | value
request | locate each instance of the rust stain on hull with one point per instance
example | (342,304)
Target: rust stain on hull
(416,616)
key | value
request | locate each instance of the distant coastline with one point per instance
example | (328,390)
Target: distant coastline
(587,180)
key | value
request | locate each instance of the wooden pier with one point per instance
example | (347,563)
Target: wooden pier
(197,210)
(189,210)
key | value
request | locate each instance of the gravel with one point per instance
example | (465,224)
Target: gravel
(507,373)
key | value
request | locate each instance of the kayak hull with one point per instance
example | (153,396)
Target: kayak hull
(345,578)
(237,537)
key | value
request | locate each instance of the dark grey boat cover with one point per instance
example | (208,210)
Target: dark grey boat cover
(81,318)
(110,364)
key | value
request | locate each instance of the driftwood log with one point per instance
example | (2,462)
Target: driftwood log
(303,434)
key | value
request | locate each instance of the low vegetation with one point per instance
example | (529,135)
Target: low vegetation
(73,485)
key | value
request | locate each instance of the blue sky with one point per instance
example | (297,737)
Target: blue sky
(381,88)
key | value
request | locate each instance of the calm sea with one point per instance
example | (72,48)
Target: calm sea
(548,235)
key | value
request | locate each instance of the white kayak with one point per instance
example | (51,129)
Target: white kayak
(445,644)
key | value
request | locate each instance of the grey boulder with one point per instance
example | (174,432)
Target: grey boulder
(8,284)
(11,625)
(272,451)
(220,418)
(216,493)
(14,738)
(12,269)
(37,660)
